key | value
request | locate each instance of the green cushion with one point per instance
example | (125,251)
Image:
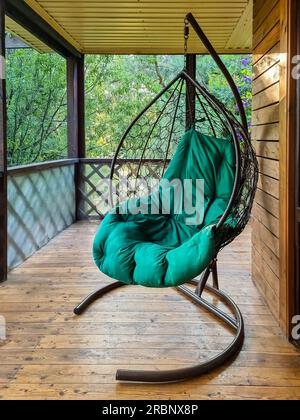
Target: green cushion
(164,250)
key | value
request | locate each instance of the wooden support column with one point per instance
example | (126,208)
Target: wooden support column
(81,109)
(3,151)
(296,121)
(76,123)
(76,117)
(191,63)
(287,151)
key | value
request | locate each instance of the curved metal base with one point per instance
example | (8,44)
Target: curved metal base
(95,296)
(237,325)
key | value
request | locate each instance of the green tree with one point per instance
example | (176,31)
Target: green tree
(240,67)
(117,89)
(37,108)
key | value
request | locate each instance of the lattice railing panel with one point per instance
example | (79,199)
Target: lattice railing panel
(40,205)
(94,188)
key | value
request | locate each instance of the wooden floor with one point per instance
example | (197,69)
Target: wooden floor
(51,354)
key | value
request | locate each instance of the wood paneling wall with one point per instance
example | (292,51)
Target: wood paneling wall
(266,138)
(273,136)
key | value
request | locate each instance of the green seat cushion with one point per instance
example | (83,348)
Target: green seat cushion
(163,250)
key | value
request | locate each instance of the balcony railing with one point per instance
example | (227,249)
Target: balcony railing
(41,203)
(46,198)
(94,193)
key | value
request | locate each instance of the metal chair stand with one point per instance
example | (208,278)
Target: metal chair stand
(236,324)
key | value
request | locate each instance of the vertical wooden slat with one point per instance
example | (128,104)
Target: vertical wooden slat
(191,63)
(3,151)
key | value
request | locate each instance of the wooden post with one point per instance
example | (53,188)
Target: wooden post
(76,117)
(76,114)
(296,121)
(3,151)
(81,108)
(288,152)
(72,95)
(191,62)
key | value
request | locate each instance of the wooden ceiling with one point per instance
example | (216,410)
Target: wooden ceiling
(17,30)
(148,26)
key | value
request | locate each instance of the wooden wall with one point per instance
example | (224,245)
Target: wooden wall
(266,137)
(273,241)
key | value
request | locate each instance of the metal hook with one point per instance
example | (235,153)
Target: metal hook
(186,34)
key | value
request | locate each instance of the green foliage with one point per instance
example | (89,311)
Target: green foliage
(240,67)
(117,89)
(37,109)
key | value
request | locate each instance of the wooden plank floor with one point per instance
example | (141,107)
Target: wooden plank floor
(51,354)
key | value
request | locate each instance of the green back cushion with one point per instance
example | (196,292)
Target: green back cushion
(163,250)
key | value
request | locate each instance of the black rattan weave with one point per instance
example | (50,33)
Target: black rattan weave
(152,139)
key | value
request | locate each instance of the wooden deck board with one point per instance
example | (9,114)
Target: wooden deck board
(51,354)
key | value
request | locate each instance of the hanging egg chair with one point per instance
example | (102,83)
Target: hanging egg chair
(185,133)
